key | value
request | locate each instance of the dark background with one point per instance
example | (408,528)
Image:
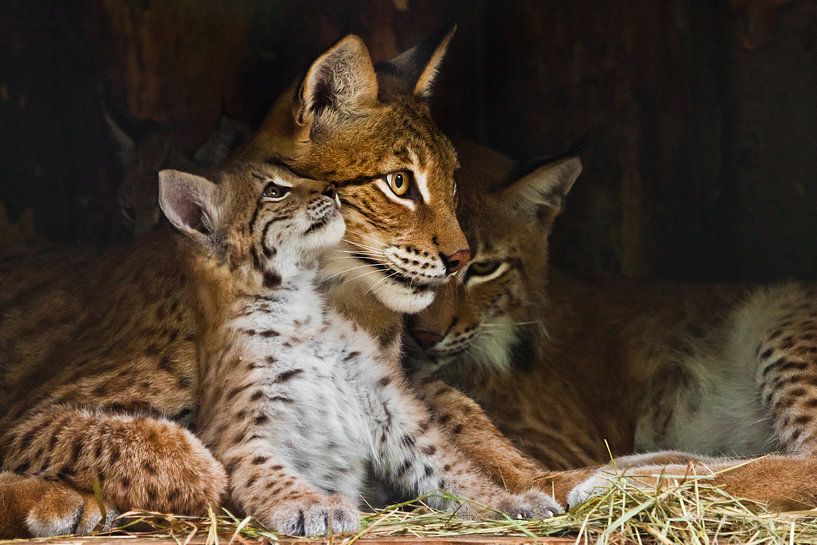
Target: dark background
(702,114)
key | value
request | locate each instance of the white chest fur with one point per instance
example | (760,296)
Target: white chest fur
(316,371)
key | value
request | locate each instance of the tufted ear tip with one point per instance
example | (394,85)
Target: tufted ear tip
(414,71)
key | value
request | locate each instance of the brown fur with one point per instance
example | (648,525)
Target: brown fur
(599,361)
(354,146)
(388,128)
(100,354)
(99,370)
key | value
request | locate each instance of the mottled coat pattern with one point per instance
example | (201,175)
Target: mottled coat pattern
(100,352)
(297,401)
(711,370)
(358,125)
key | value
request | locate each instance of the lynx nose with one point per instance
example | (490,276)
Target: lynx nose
(426,339)
(455,261)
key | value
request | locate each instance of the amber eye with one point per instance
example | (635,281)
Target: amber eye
(275,192)
(399,182)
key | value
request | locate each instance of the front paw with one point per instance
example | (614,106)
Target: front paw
(593,486)
(313,515)
(558,484)
(532,504)
(64,511)
(644,478)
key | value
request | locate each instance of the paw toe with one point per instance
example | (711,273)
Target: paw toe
(587,489)
(530,505)
(313,518)
(544,505)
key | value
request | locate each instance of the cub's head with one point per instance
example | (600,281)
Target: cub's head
(257,224)
(492,309)
(368,130)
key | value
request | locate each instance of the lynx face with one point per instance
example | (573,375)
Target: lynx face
(492,307)
(260,222)
(369,132)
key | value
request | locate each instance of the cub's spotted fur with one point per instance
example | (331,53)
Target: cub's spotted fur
(359,126)
(104,348)
(297,401)
(713,370)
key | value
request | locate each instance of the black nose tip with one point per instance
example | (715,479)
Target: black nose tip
(330,192)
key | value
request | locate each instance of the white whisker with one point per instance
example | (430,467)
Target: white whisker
(380,282)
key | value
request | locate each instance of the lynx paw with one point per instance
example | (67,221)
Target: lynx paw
(310,516)
(588,488)
(532,504)
(62,511)
(647,477)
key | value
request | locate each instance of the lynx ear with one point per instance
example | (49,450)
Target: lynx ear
(413,72)
(340,79)
(542,192)
(189,202)
(228,136)
(126,144)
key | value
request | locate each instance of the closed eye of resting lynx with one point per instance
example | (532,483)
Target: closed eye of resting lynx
(714,370)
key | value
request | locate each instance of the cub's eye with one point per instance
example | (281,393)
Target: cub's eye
(483,268)
(275,192)
(399,182)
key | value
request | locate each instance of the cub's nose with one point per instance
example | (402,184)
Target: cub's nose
(330,192)
(455,261)
(426,339)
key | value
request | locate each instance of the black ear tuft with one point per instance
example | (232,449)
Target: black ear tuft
(525,167)
(413,72)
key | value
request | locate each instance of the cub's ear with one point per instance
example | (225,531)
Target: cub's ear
(189,202)
(413,72)
(542,192)
(340,79)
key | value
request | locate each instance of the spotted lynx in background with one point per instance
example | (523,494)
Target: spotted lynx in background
(713,370)
(297,401)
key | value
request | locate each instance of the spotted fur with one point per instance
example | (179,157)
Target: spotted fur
(298,402)
(99,377)
(353,125)
(116,337)
(711,370)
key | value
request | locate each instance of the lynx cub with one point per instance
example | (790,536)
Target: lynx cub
(297,401)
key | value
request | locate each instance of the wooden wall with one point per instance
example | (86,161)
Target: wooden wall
(702,114)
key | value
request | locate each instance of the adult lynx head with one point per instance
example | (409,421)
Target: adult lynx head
(253,225)
(368,131)
(494,307)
